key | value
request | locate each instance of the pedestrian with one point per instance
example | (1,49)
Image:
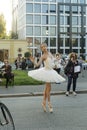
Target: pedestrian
(58,63)
(72,70)
(46,74)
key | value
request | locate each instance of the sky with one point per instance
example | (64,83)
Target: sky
(5,8)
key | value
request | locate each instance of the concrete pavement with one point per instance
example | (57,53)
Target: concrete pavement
(70,113)
(37,90)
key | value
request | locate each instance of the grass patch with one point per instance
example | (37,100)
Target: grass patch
(21,78)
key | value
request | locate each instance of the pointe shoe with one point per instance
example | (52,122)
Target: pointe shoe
(44,107)
(50,107)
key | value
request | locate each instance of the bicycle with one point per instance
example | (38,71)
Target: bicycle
(6,120)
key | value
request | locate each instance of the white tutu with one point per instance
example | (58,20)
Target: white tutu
(46,75)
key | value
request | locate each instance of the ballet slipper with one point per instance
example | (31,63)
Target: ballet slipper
(50,107)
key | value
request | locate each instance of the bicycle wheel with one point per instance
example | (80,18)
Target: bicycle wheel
(6,120)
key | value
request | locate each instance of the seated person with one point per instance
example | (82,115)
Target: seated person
(7,72)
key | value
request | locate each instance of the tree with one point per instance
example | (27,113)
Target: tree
(13,35)
(27,54)
(2,27)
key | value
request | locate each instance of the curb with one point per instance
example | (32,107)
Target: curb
(38,94)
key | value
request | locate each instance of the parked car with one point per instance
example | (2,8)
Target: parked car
(1,64)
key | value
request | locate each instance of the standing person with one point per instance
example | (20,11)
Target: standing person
(46,74)
(58,63)
(71,73)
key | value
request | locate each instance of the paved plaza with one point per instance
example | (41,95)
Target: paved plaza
(69,113)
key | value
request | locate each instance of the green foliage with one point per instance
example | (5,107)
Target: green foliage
(13,35)
(21,78)
(27,54)
(2,27)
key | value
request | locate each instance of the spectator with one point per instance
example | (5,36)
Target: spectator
(71,73)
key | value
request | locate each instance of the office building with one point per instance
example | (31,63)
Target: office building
(62,24)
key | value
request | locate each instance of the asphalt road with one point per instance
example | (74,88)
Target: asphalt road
(70,113)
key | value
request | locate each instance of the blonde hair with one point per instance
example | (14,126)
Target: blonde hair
(74,55)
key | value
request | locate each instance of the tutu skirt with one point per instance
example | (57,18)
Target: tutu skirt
(46,75)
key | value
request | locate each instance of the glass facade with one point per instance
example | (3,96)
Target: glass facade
(59,23)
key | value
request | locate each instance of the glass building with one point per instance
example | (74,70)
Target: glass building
(62,24)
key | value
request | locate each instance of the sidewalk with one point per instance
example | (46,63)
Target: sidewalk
(37,90)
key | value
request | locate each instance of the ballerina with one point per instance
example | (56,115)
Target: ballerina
(46,74)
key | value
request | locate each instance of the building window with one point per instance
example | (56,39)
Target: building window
(74,20)
(37,8)
(53,42)
(52,20)
(74,9)
(37,31)
(52,8)
(44,8)
(44,19)
(44,0)
(29,31)
(82,1)
(61,20)
(29,8)
(29,19)
(45,31)
(73,1)
(74,42)
(53,31)
(37,19)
